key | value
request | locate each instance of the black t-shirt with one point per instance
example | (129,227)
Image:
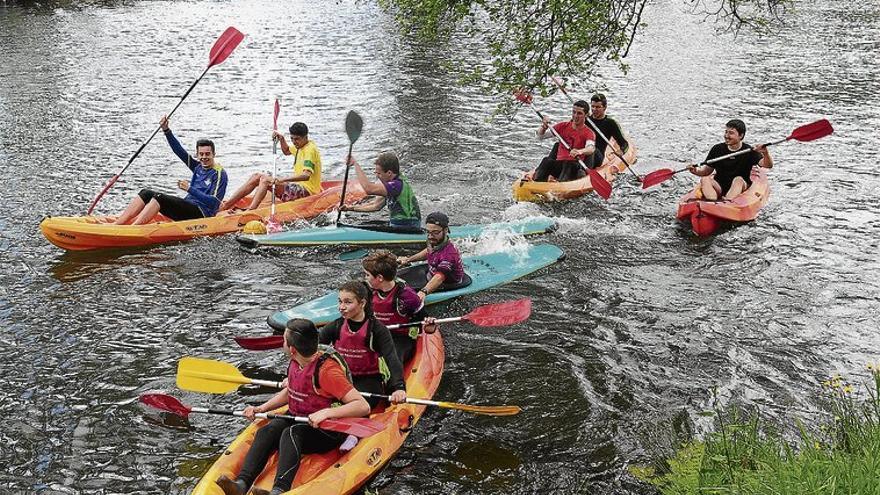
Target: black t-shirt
(737,166)
(611,129)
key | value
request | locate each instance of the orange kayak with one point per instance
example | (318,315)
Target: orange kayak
(96,232)
(556,191)
(336,472)
(706,216)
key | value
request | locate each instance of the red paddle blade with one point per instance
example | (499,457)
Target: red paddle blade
(656,177)
(224,46)
(275,116)
(813,131)
(600,185)
(165,403)
(523,96)
(359,427)
(501,314)
(260,343)
(704,225)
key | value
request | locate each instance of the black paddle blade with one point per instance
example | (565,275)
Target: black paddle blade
(813,131)
(354,124)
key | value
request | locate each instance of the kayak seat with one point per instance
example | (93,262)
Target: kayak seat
(417,277)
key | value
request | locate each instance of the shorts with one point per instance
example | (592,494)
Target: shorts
(293,191)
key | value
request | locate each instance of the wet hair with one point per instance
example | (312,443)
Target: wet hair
(299,129)
(361,292)
(600,98)
(388,161)
(737,125)
(381,262)
(205,142)
(584,105)
(302,335)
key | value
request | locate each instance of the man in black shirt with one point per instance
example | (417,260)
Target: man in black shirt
(732,176)
(608,127)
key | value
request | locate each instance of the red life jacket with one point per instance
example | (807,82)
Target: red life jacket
(302,386)
(356,348)
(387,309)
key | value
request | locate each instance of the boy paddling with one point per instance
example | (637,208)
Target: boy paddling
(444,261)
(729,178)
(392,189)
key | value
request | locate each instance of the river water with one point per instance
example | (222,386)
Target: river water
(629,334)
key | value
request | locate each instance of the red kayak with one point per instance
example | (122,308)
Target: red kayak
(706,216)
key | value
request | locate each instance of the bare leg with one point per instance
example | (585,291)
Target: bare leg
(260,191)
(242,191)
(133,208)
(147,213)
(711,189)
(737,187)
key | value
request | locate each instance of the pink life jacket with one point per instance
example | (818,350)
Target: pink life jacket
(387,309)
(355,348)
(302,388)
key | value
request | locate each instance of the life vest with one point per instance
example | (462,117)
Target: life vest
(357,349)
(388,309)
(303,397)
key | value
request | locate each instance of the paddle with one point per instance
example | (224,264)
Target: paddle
(272,225)
(600,185)
(486,410)
(561,87)
(217,377)
(353,127)
(489,315)
(359,427)
(804,133)
(222,48)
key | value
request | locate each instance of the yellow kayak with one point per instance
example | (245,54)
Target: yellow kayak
(526,190)
(96,232)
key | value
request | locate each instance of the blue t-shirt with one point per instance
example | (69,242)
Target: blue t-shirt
(207,187)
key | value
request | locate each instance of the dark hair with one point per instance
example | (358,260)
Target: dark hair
(302,335)
(205,142)
(299,129)
(600,98)
(381,262)
(389,162)
(737,125)
(361,292)
(584,105)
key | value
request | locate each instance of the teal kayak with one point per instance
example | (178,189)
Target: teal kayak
(485,271)
(383,235)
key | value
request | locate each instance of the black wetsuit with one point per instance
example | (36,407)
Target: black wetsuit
(611,129)
(730,168)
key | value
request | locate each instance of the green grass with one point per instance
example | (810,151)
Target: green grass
(746,456)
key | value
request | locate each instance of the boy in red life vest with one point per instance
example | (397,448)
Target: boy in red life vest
(444,261)
(394,302)
(366,345)
(315,380)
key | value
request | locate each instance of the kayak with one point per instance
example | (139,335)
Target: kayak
(96,232)
(335,472)
(485,271)
(360,235)
(526,190)
(706,216)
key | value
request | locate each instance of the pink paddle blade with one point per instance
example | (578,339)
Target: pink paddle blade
(224,46)
(523,96)
(600,185)
(359,427)
(260,343)
(165,403)
(275,116)
(812,131)
(657,177)
(703,224)
(272,226)
(501,314)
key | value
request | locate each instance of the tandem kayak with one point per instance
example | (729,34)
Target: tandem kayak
(360,235)
(96,232)
(527,190)
(485,271)
(336,472)
(706,216)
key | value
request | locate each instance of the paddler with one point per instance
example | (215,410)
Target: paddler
(732,176)
(444,261)
(582,141)
(394,302)
(316,381)
(392,189)
(205,189)
(608,126)
(306,178)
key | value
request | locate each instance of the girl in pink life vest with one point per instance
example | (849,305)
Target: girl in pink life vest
(366,345)
(315,381)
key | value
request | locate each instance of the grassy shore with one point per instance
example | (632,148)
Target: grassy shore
(841,455)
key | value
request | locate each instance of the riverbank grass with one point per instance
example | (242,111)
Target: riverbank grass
(747,456)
